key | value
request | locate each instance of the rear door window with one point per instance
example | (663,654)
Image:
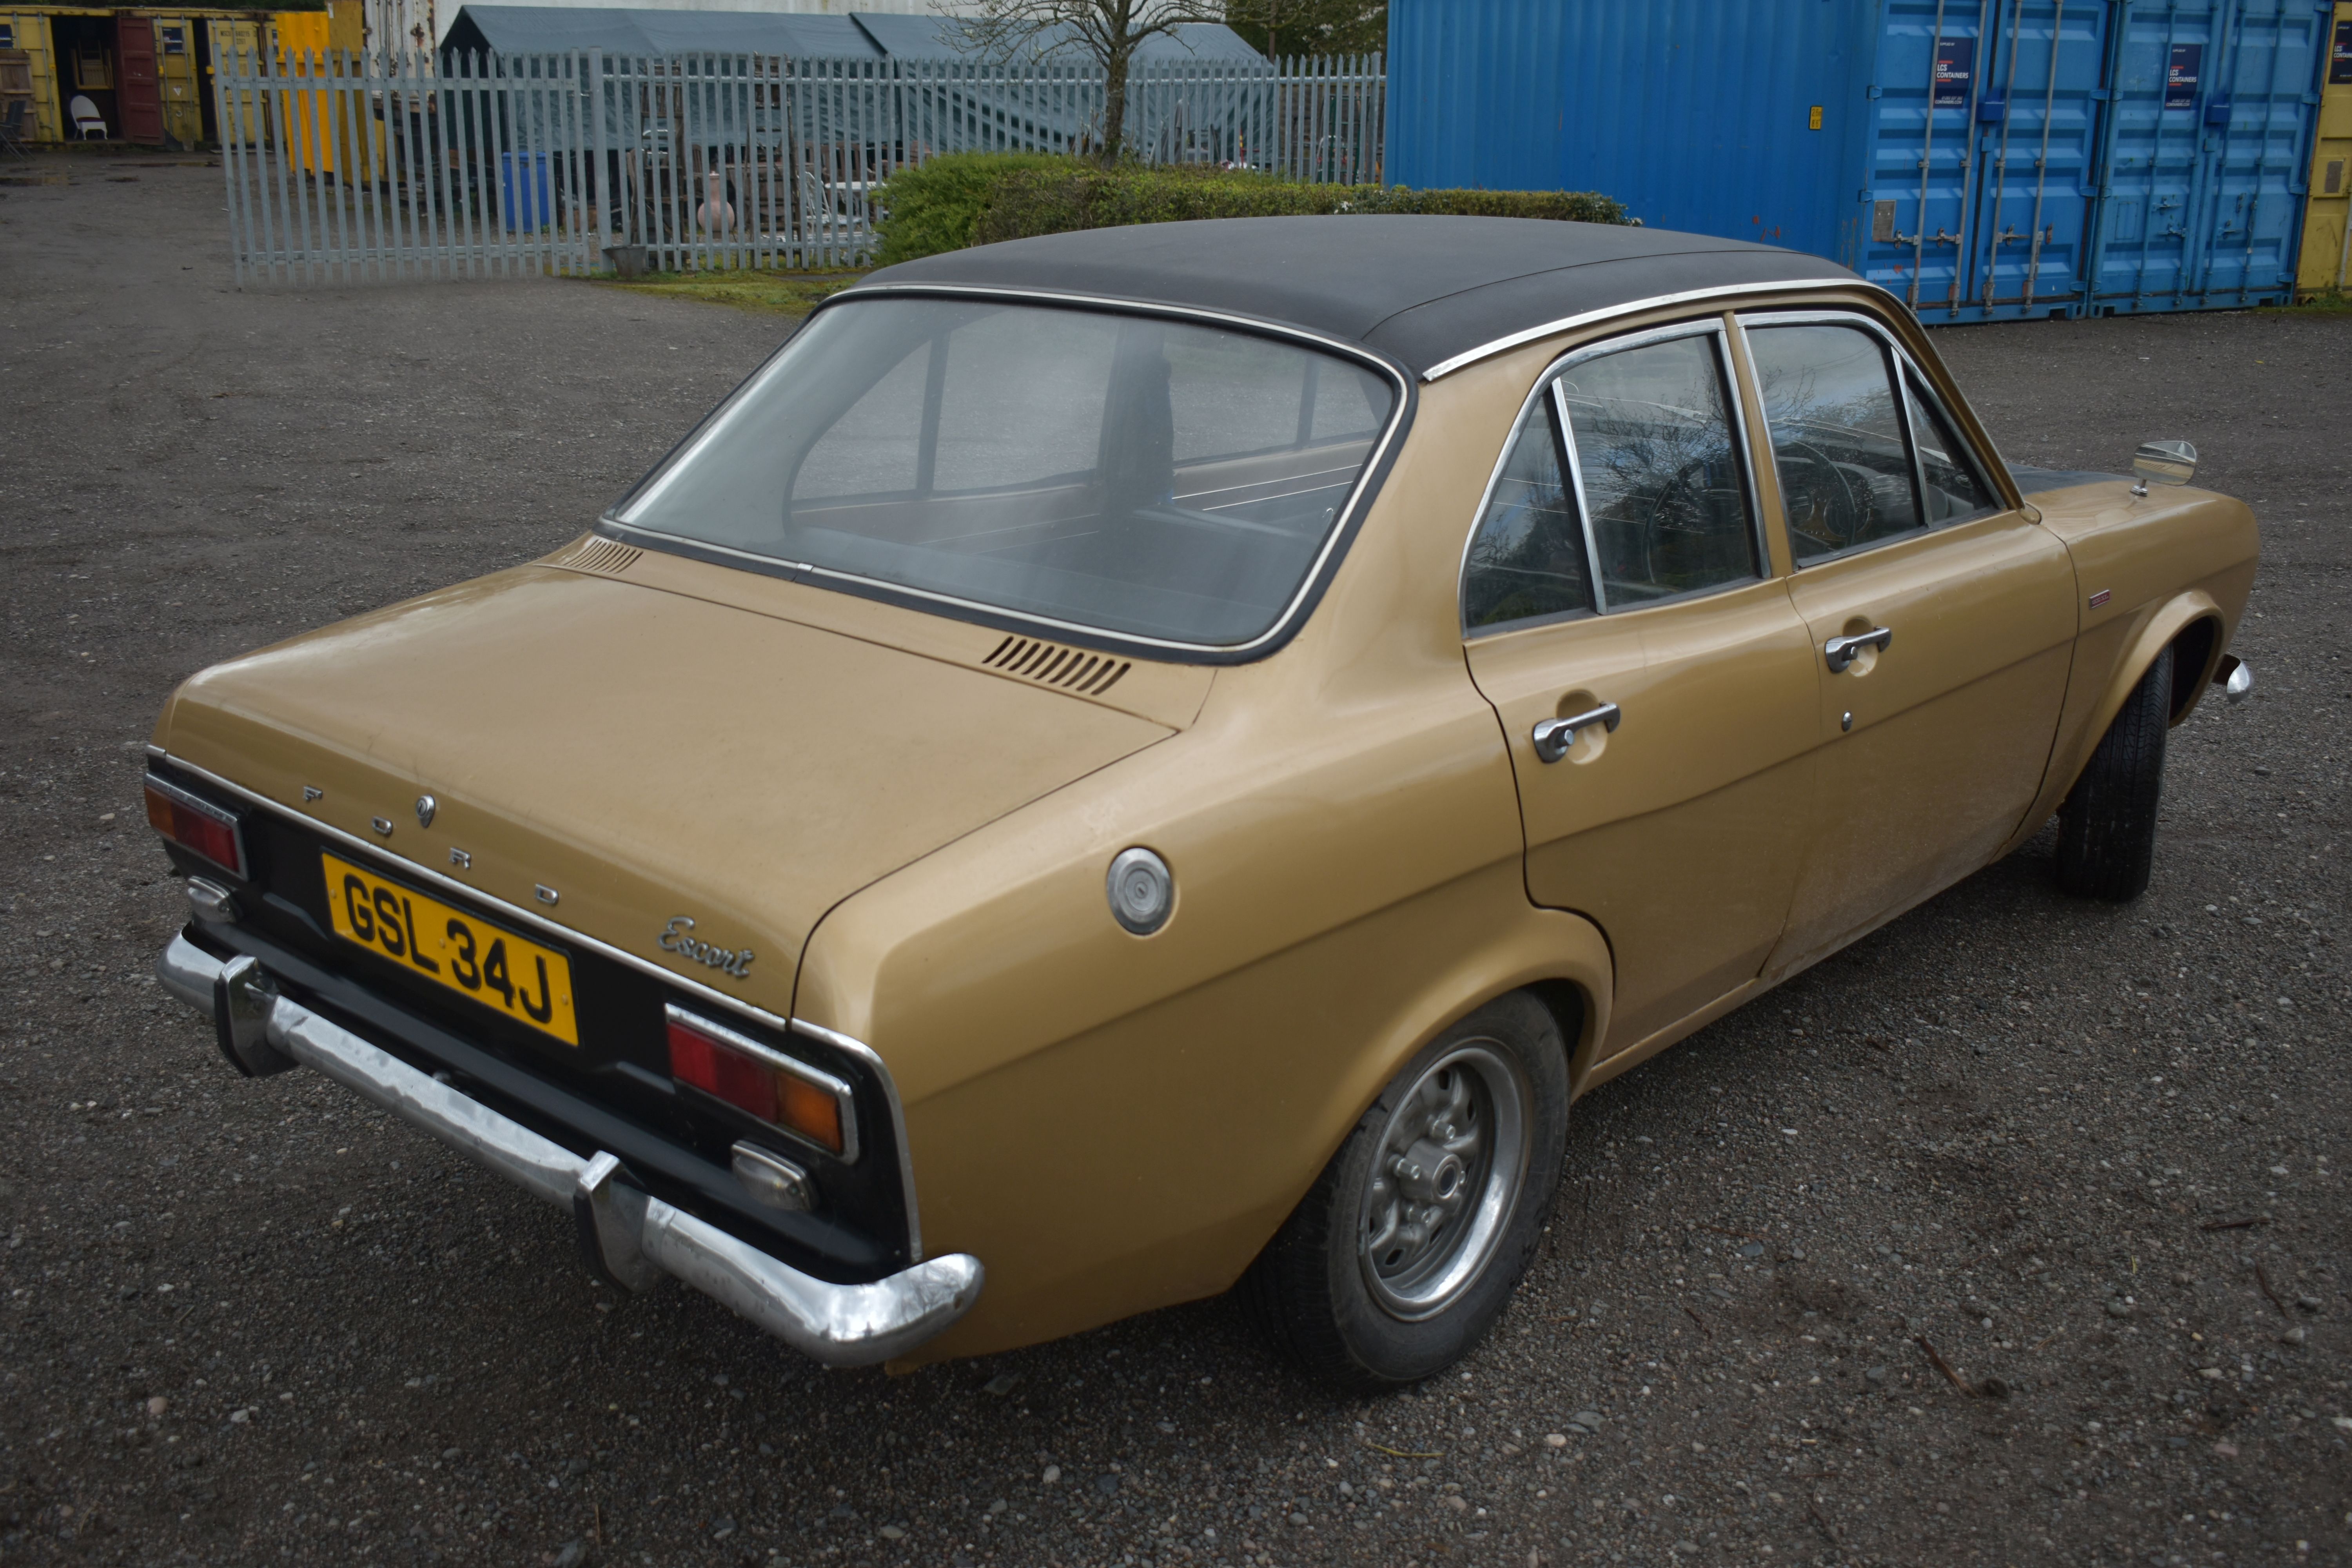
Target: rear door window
(1660,470)
(1625,485)
(1527,559)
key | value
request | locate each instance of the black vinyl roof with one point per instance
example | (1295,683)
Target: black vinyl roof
(1419,289)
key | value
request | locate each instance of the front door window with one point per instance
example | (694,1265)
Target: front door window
(1953,488)
(1846,479)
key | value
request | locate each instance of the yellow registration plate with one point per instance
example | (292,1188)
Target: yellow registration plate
(527,982)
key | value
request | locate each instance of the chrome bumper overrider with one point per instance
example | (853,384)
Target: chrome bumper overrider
(635,1238)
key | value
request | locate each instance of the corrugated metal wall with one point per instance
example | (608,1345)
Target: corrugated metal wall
(1698,112)
(1986,159)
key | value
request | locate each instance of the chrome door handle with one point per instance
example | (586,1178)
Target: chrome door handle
(1553,737)
(1840,651)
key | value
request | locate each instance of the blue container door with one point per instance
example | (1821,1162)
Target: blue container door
(2209,133)
(1989,115)
(1923,165)
(2037,128)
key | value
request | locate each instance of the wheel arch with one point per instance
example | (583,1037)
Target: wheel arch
(2197,649)
(1561,959)
(2191,623)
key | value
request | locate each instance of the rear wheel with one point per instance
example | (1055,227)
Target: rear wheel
(2106,830)
(1409,1244)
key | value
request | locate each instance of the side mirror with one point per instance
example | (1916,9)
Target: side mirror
(2163,463)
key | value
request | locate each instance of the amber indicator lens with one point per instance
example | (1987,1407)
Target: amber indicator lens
(810,1112)
(751,1084)
(195,824)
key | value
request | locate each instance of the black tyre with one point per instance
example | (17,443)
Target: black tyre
(2106,830)
(1408,1246)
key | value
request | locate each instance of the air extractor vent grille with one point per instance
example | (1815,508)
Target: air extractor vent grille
(597,555)
(1050,664)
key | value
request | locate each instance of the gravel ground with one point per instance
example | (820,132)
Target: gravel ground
(2014,1235)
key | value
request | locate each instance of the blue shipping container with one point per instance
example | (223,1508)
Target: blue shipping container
(2206,154)
(1985,159)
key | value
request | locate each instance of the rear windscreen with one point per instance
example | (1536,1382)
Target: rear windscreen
(1123,472)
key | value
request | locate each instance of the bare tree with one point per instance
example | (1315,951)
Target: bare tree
(1111,30)
(1279,27)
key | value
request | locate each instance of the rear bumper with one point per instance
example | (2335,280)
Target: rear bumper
(632,1238)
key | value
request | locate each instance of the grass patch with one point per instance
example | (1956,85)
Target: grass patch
(2327,304)
(792,294)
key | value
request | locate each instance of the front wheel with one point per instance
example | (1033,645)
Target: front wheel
(2106,830)
(1409,1244)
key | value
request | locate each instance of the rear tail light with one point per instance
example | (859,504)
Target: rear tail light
(196,824)
(779,1089)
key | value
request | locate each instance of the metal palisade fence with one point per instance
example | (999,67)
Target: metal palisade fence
(347,167)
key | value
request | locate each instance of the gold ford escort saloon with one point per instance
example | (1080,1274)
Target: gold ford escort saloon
(1125,764)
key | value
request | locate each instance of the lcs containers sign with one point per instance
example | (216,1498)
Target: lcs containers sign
(1996,160)
(2180,75)
(1956,70)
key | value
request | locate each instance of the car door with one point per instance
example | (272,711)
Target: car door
(1941,619)
(1655,683)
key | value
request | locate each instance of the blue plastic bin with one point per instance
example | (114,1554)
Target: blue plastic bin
(524,190)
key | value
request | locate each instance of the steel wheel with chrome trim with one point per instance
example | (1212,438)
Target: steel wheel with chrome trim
(1408,1246)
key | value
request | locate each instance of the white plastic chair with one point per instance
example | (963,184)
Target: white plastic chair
(89,125)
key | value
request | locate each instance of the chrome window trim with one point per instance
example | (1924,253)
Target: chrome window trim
(1350,516)
(843,1102)
(1631,307)
(1548,387)
(1903,364)
(1571,463)
(860,1050)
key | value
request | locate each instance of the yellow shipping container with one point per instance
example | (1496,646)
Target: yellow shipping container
(321,44)
(180,79)
(236,39)
(2328,219)
(78,50)
(29,31)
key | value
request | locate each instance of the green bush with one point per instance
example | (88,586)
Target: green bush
(1051,200)
(977,198)
(932,206)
